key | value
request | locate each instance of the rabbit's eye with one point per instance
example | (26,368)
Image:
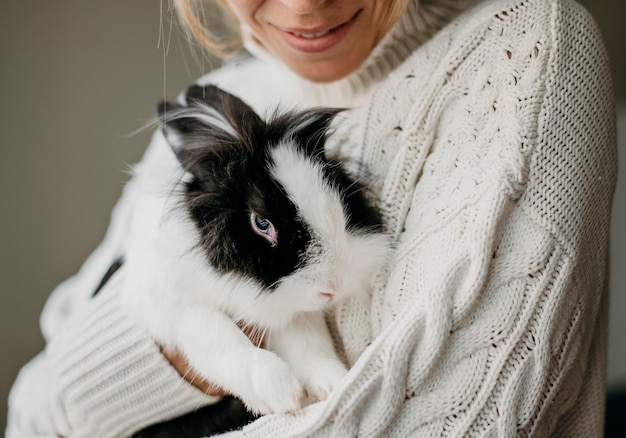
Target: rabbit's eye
(264,228)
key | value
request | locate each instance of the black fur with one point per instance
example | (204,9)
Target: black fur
(227,415)
(117,264)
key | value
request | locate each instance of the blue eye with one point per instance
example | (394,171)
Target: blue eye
(262,224)
(264,228)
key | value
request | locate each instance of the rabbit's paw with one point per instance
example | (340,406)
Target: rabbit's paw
(320,378)
(275,388)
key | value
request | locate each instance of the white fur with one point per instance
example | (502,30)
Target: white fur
(340,262)
(183,303)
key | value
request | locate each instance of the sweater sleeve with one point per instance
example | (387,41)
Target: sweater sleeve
(492,319)
(102,376)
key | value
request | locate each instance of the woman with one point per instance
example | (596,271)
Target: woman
(490,128)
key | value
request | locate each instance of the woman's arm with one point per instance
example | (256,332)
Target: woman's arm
(102,376)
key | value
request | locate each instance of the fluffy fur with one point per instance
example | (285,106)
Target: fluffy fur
(254,226)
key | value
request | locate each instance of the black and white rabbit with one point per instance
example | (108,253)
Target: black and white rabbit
(262,230)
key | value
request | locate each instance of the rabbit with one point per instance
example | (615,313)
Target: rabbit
(249,224)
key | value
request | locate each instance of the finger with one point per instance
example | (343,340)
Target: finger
(255,335)
(179,362)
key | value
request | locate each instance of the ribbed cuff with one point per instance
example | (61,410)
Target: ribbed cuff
(110,376)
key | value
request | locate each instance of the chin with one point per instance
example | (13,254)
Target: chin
(323,71)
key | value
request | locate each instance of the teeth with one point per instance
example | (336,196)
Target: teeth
(311,35)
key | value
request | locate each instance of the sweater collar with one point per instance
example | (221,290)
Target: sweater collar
(420,20)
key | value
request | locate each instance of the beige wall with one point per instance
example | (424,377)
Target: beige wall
(77,77)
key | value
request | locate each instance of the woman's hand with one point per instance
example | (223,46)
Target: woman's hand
(179,362)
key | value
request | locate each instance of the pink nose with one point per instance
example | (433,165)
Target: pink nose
(327,295)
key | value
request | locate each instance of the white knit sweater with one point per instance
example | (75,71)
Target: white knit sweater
(492,147)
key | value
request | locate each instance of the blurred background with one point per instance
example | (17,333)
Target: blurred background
(77,77)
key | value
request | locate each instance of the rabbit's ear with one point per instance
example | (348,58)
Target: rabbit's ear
(239,114)
(176,123)
(311,129)
(196,133)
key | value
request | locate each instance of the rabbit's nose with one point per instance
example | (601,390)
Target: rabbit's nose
(328,296)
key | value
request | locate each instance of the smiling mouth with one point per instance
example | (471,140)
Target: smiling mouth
(316,41)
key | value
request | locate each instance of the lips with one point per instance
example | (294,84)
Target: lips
(318,39)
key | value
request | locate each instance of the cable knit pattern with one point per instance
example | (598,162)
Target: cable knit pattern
(489,139)
(496,141)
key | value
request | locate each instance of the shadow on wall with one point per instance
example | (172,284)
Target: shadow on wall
(615,426)
(616,398)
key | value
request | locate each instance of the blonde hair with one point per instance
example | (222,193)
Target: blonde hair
(219,37)
(224,40)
